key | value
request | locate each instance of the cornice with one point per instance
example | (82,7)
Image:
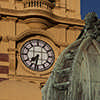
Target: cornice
(40,32)
(35,32)
(22,14)
(9,18)
(75,28)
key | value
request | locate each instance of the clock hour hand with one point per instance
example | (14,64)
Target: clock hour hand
(35,59)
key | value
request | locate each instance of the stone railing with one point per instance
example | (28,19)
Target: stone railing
(38,4)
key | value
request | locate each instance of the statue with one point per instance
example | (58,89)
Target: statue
(76,74)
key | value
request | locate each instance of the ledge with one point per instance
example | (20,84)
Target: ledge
(26,13)
(36,32)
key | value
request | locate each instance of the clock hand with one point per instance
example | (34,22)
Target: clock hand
(35,59)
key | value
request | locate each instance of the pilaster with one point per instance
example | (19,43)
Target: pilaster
(12,4)
(12,45)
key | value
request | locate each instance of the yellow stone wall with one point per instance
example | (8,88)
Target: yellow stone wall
(59,27)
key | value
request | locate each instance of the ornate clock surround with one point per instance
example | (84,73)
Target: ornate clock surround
(31,35)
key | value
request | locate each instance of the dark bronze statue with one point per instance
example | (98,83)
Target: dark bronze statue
(76,74)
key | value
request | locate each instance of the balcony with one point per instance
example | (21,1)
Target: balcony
(47,4)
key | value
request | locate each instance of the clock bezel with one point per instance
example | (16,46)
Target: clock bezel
(45,69)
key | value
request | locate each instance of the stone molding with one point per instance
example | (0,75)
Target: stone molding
(35,32)
(40,32)
(76,28)
(42,13)
(38,23)
(5,38)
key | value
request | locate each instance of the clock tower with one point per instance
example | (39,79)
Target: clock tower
(33,33)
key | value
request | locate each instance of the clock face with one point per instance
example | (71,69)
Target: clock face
(37,55)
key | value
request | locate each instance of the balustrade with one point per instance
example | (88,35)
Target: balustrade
(38,3)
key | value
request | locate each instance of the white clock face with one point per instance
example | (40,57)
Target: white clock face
(37,55)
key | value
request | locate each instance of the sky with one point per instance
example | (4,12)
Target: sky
(90,6)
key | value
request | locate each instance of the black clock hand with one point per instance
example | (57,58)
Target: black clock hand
(36,67)
(35,59)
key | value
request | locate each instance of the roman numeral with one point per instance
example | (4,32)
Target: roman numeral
(36,67)
(23,53)
(48,62)
(26,60)
(44,45)
(37,43)
(43,65)
(49,50)
(49,56)
(31,44)
(26,48)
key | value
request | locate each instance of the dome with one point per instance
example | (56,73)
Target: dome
(19,90)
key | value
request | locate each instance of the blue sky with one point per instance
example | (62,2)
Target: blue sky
(90,6)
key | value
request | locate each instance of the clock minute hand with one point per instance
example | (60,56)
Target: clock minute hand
(36,67)
(37,57)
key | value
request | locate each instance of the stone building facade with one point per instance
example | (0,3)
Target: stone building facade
(39,23)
